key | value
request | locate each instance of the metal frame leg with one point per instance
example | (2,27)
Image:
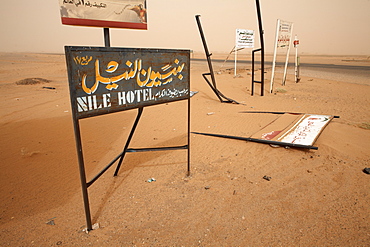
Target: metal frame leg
(211,73)
(140,111)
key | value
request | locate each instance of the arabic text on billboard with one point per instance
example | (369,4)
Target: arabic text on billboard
(105,13)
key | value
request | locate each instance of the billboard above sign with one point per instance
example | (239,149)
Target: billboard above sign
(244,38)
(104,80)
(130,14)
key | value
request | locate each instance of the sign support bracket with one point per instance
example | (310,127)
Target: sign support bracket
(85,185)
(138,116)
(120,157)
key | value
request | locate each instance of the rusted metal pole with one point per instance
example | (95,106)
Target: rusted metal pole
(259,140)
(81,166)
(253,60)
(212,84)
(208,55)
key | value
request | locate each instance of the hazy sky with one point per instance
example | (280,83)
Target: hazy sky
(322,26)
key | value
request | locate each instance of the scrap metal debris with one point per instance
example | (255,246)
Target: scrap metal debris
(366,170)
(51,221)
(151,180)
(49,87)
(94,227)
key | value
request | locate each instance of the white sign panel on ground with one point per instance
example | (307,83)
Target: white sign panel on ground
(294,128)
(306,130)
(284,30)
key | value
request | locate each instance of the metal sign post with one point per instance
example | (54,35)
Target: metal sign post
(262,50)
(213,86)
(283,36)
(235,60)
(104,80)
(274,57)
(97,90)
(296,70)
(81,166)
(106,37)
(287,55)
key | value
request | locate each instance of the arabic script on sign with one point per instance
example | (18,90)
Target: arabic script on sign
(144,77)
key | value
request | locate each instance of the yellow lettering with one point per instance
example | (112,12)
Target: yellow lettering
(143,83)
(85,88)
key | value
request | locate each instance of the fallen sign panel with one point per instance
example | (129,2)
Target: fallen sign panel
(302,129)
(306,130)
(290,129)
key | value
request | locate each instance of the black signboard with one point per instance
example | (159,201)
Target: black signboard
(104,79)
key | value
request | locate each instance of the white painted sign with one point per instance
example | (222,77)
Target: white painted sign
(244,38)
(306,130)
(284,30)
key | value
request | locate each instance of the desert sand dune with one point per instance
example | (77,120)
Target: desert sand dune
(314,197)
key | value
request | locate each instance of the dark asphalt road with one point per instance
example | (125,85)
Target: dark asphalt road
(348,73)
(303,65)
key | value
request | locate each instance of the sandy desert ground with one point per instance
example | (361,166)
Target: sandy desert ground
(314,198)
